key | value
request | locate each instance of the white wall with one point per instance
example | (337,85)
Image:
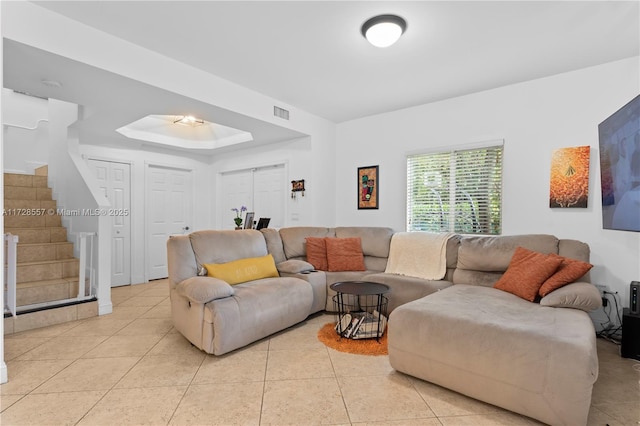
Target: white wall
(308,158)
(74,189)
(534,118)
(20,143)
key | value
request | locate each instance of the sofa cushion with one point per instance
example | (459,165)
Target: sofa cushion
(574,249)
(224,246)
(493,254)
(243,270)
(293,239)
(344,254)
(181,260)
(526,273)
(493,346)
(481,260)
(317,253)
(274,244)
(256,310)
(404,289)
(294,266)
(375,240)
(568,271)
(581,295)
(204,289)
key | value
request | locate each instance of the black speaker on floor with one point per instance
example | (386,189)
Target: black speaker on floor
(633,297)
(630,346)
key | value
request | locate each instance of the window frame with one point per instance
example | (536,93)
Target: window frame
(450,221)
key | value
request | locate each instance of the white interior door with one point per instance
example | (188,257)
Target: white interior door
(269,194)
(115,181)
(237,191)
(262,190)
(169,203)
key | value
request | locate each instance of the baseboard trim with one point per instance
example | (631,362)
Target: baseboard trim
(105,309)
(4,376)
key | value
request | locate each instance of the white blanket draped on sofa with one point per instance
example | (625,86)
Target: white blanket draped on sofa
(419,254)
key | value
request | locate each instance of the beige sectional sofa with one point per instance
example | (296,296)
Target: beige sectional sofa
(538,359)
(217,317)
(288,244)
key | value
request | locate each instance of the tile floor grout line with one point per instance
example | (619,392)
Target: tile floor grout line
(413,385)
(125,373)
(264,380)
(63,369)
(335,374)
(188,386)
(22,396)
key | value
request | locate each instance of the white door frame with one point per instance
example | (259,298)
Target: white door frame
(147,166)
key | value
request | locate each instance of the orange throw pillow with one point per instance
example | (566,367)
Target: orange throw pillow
(317,253)
(526,273)
(344,254)
(568,271)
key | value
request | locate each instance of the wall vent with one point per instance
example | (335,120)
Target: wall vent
(281,113)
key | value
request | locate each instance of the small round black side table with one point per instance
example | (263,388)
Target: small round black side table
(361,307)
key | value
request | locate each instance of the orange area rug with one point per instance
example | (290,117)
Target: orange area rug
(330,338)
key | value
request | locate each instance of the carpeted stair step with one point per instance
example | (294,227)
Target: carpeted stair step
(47,270)
(35,252)
(39,235)
(33,292)
(26,181)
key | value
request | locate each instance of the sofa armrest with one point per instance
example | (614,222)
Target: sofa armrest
(578,295)
(294,266)
(204,289)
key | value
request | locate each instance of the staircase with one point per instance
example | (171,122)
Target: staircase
(46,268)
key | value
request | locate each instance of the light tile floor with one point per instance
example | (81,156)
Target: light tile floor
(132,367)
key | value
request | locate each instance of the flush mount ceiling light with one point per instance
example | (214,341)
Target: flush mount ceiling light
(189,120)
(384,30)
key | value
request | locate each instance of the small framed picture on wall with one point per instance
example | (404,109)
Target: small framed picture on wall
(368,184)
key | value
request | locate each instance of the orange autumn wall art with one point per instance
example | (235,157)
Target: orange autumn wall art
(569,177)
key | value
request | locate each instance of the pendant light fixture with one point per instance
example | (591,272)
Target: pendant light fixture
(384,30)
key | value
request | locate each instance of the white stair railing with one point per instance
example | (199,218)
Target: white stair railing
(10,269)
(85,268)
(85,292)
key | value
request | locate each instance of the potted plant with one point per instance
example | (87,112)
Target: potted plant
(238,218)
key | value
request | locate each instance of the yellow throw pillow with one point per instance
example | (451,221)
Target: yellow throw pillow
(243,270)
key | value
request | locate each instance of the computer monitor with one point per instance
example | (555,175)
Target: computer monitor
(263,222)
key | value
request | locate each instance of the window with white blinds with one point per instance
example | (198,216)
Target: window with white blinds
(457,191)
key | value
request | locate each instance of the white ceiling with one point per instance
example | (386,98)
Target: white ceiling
(311,54)
(111,101)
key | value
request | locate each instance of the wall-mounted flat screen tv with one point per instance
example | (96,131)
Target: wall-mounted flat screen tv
(620,168)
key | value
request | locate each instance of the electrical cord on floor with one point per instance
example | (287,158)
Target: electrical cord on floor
(609,331)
